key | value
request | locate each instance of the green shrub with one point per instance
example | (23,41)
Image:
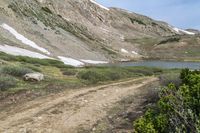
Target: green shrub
(166,79)
(141,126)
(36,61)
(140,71)
(178,110)
(7,82)
(91,76)
(169,40)
(101,74)
(146,71)
(133,20)
(69,71)
(15,70)
(35,68)
(46,9)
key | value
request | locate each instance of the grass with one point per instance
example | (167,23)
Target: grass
(36,61)
(7,82)
(133,20)
(15,70)
(170,40)
(166,79)
(61,77)
(145,42)
(94,75)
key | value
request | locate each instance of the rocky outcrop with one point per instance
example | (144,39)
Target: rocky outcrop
(34,77)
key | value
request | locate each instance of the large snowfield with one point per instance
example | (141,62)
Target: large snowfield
(23,39)
(70,61)
(21,52)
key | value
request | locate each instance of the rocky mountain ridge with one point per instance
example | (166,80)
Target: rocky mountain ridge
(82,31)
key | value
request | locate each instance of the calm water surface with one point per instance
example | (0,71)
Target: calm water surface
(161,64)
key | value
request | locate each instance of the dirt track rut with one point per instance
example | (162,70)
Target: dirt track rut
(68,111)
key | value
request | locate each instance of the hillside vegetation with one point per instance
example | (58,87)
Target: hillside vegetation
(84,30)
(177,111)
(59,76)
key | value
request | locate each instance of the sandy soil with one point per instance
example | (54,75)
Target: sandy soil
(66,112)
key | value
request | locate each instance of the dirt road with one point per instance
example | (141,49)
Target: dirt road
(68,111)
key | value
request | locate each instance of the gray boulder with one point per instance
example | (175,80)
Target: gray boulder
(34,77)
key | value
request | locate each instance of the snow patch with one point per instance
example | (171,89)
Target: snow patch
(21,52)
(94,62)
(70,61)
(180,30)
(100,5)
(124,51)
(133,52)
(23,39)
(184,31)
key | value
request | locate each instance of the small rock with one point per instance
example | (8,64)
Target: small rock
(94,129)
(86,101)
(2,62)
(34,77)
(39,118)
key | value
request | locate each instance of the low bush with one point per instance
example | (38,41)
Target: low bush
(36,61)
(133,20)
(32,67)
(91,76)
(166,79)
(15,70)
(46,9)
(7,82)
(69,72)
(146,71)
(178,109)
(169,40)
(100,74)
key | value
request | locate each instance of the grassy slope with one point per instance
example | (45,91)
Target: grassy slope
(176,47)
(59,76)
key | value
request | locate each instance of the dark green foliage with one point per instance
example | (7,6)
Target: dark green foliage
(35,67)
(91,76)
(69,71)
(15,70)
(100,74)
(177,111)
(169,40)
(133,20)
(94,76)
(191,89)
(46,9)
(7,82)
(154,24)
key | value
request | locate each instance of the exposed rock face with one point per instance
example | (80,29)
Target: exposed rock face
(81,29)
(34,77)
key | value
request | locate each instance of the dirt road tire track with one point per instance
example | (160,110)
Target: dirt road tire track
(67,111)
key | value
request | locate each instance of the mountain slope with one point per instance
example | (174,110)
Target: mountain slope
(79,30)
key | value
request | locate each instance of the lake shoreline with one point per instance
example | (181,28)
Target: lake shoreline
(167,64)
